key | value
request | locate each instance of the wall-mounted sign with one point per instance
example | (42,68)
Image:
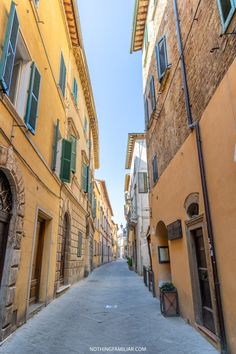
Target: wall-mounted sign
(163,254)
(175,230)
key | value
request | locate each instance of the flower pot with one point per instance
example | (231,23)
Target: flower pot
(169,303)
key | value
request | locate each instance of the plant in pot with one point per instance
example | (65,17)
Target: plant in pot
(169,300)
(130,263)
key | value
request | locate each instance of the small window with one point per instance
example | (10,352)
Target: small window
(75,91)
(161,54)
(62,78)
(227,9)
(80,244)
(85,125)
(142,182)
(155,169)
(150,101)
(84,177)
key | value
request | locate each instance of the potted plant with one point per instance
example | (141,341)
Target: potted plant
(169,300)
(130,263)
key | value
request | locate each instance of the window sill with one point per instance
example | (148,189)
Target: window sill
(208,333)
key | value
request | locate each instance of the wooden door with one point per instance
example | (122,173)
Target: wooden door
(63,250)
(5,214)
(203,277)
(37,263)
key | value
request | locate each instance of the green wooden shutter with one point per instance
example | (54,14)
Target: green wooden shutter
(85,176)
(73,153)
(33,99)
(146,113)
(9,50)
(75,91)
(66,161)
(80,244)
(55,144)
(62,80)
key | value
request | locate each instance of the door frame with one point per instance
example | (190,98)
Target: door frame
(191,225)
(47,217)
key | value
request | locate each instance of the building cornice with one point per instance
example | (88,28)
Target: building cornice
(132,137)
(105,192)
(73,23)
(139,22)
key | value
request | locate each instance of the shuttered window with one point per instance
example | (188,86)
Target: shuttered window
(142,182)
(9,50)
(75,91)
(62,79)
(152,93)
(227,9)
(161,54)
(155,169)
(55,145)
(94,207)
(84,177)
(33,99)
(146,113)
(73,153)
(65,172)
(80,244)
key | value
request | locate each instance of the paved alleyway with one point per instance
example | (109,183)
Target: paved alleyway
(81,319)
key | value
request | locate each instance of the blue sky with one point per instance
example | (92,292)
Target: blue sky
(116,77)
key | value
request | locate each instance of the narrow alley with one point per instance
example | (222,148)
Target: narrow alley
(101,312)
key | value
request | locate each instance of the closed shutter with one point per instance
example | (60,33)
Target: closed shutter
(55,144)
(9,50)
(73,153)
(84,177)
(80,244)
(155,169)
(66,161)
(62,80)
(75,91)
(33,99)
(142,182)
(153,95)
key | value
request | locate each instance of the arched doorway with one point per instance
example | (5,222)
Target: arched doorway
(164,273)
(5,214)
(64,241)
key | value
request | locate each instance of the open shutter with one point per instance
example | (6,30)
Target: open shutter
(66,161)
(62,80)
(153,94)
(73,153)
(9,50)
(146,113)
(55,144)
(33,98)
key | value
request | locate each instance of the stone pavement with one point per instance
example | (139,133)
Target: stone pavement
(111,308)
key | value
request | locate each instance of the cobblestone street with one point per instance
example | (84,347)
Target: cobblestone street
(104,311)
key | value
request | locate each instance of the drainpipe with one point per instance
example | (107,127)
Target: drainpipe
(195,126)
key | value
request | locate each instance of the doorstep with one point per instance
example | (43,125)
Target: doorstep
(62,289)
(34,308)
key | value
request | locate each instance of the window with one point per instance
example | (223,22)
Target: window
(62,79)
(75,91)
(73,153)
(80,244)
(161,54)
(94,207)
(142,182)
(85,177)
(55,145)
(65,161)
(227,9)
(155,169)
(150,101)
(85,125)
(146,37)
(33,98)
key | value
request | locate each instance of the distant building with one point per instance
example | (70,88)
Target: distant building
(136,201)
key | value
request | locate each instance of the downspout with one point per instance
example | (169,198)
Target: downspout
(195,126)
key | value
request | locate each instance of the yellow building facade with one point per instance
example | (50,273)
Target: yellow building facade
(48,153)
